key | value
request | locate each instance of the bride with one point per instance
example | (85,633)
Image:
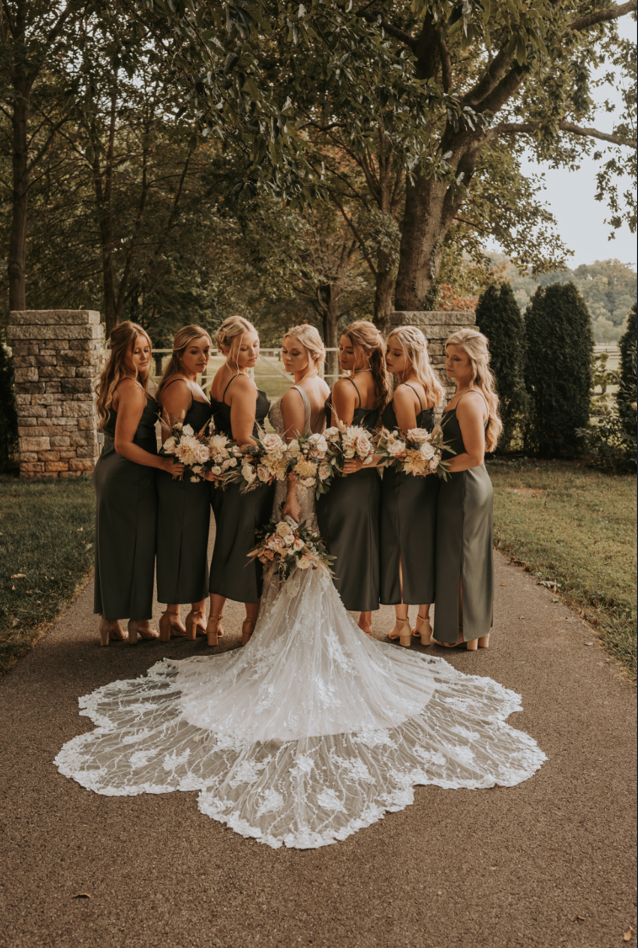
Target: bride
(313,730)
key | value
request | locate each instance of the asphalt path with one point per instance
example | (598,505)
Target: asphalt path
(548,863)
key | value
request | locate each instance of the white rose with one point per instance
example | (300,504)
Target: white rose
(418,435)
(331,434)
(232,462)
(217,444)
(297,544)
(216,470)
(169,445)
(263,473)
(187,430)
(426,451)
(289,540)
(395,448)
(318,445)
(362,446)
(201,452)
(304,562)
(324,471)
(283,530)
(248,473)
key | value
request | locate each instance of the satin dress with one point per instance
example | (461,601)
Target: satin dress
(182,527)
(125,524)
(408,526)
(348,517)
(237,517)
(463,546)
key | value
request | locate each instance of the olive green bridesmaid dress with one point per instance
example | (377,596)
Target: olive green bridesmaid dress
(182,527)
(125,524)
(408,526)
(237,517)
(463,546)
(348,518)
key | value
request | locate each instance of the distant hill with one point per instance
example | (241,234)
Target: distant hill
(607,286)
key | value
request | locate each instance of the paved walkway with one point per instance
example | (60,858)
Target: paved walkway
(548,863)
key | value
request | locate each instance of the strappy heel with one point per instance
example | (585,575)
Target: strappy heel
(107,632)
(196,623)
(403,633)
(247,629)
(422,629)
(134,629)
(213,630)
(170,624)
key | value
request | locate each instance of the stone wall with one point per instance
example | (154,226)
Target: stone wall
(57,359)
(437,326)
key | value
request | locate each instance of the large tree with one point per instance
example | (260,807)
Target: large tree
(453,87)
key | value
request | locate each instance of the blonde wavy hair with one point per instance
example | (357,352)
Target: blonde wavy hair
(475,345)
(415,349)
(121,342)
(366,340)
(310,339)
(183,338)
(229,334)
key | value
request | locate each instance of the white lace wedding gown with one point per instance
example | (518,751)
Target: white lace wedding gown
(308,733)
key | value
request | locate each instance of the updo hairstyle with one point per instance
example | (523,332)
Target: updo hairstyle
(310,339)
(121,341)
(183,339)
(475,345)
(228,336)
(415,349)
(367,341)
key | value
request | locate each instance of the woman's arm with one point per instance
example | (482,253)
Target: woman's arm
(471,417)
(243,405)
(131,404)
(344,402)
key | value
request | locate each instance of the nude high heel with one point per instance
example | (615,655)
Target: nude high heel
(134,629)
(213,630)
(403,633)
(196,622)
(170,624)
(423,629)
(247,629)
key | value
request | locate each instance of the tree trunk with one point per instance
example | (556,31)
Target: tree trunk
(422,235)
(18,239)
(331,318)
(384,292)
(103,184)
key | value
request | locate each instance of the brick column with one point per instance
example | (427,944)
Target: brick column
(437,326)
(57,359)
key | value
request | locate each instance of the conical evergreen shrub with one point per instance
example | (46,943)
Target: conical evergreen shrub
(498,316)
(8,415)
(626,394)
(558,369)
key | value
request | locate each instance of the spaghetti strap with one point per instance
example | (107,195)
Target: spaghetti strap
(479,392)
(307,408)
(417,394)
(223,398)
(348,379)
(177,379)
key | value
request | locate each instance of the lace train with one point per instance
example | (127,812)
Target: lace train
(307,734)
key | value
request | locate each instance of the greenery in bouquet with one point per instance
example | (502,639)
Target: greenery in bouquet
(345,443)
(263,461)
(416,451)
(288,545)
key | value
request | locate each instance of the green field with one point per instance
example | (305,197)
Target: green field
(576,526)
(46,553)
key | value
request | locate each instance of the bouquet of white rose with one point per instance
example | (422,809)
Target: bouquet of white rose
(224,457)
(262,462)
(309,460)
(188,447)
(346,443)
(288,545)
(416,451)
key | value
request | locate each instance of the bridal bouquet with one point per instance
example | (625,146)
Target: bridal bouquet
(200,452)
(309,460)
(345,443)
(264,461)
(416,451)
(288,545)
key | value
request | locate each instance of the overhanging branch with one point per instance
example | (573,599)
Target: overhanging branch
(602,16)
(531,127)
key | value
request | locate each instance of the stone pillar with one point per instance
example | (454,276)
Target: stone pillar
(57,359)
(437,326)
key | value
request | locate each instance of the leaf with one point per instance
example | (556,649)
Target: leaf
(628,934)
(82,895)
(19,576)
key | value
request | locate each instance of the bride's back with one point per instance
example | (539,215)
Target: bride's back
(317,392)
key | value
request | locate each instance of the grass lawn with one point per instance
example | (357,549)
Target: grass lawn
(574,525)
(46,552)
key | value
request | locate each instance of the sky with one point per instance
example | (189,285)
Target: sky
(570,196)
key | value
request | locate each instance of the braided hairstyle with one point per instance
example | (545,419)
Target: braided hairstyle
(367,342)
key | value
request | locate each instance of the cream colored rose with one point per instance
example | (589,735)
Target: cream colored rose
(169,446)
(283,529)
(263,473)
(248,473)
(297,544)
(418,435)
(426,451)
(324,471)
(187,430)
(217,445)
(331,434)
(318,445)
(304,562)
(216,470)
(362,446)
(274,445)
(395,448)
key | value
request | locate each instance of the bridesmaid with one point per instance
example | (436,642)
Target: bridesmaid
(124,480)
(464,565)
(184,507)
(348,514)
(239,410)
(408,503)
